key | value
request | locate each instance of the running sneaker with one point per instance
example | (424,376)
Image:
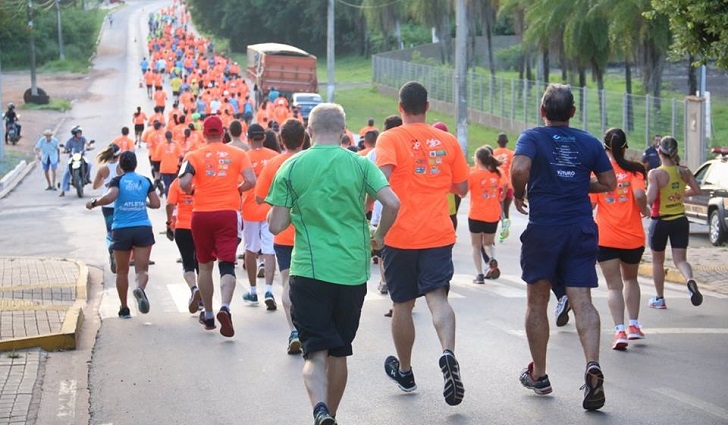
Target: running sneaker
(493,272)
(562,311)
(124,313)
(261,270)
(323,417)
(112,262)
(270,302)
(505,229)
(635,332)
(658,303)
(141,298)
(593,387)
(383,288)
(388,314)
(540,386)
(479,279)
(405,381)
(695,296)
(251,299)
(209,324)
(620,341)
(294,344)
(226,322)
(193,304)
(454,389)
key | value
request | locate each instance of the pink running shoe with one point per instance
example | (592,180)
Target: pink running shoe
(635,332)
(620,341)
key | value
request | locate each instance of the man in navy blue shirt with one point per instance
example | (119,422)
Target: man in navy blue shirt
(552,168)
(650,158)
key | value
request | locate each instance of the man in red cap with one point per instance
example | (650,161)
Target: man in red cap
(212,175)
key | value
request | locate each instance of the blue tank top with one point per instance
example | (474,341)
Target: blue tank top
(130,207)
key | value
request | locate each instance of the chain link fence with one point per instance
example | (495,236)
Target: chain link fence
(514,105)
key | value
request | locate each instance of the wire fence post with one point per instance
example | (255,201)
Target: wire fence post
(673,118)
(647,120)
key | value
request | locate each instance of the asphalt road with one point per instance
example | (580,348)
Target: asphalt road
(164,368)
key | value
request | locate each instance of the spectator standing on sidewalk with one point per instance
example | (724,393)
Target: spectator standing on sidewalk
(423,164)
(556,162)
(665,194)
(131,229)
(48,152)
(322,192)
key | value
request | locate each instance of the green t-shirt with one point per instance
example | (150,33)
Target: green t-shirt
(325,187)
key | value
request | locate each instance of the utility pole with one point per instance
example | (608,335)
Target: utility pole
(461,75)
(330,49)
(62,54)
(2,125)
(33,83)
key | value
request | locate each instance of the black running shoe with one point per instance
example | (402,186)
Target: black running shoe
(540,385)
(124,313)
(695,296)
(193,305)
(209,324)
(141,298)
(226,322)
(406,381)
(323,417)
(112,262)
(593,387)
(454,389)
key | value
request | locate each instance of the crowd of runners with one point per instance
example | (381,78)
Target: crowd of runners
(241,185)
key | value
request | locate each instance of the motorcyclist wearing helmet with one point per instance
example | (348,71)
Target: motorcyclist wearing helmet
(11,117)
(76,144)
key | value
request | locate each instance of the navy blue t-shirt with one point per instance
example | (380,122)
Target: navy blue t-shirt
(563,159)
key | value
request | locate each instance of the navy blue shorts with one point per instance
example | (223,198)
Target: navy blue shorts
(565,253)
(283,255)
(677,230)
(326,315)
(412,273)
(125,238)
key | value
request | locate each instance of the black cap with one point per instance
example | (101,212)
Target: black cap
(256,132)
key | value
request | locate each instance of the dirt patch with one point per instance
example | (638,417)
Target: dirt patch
(66,86)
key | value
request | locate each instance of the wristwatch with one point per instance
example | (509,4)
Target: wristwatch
(93,203)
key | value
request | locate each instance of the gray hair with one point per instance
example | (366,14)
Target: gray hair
(557,102)
(327,119)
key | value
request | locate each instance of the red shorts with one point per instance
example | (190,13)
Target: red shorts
(216,235)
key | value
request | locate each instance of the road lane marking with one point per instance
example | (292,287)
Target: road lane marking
(180,295)
(695,402)
(648,331)
(67,398)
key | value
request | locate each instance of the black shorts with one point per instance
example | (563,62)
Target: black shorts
(155,165)
(627,256)
(138,128)
(283,255)
(412,273)
(678,231)
(326,315)
(125,238)
(477,226)
(186,246)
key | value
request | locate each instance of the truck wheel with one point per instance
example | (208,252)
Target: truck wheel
(716,232)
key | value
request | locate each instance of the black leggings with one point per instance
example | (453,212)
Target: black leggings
(186,246)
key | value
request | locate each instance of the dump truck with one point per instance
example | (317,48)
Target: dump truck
(285,68)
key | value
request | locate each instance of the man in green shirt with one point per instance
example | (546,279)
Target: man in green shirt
(322,191)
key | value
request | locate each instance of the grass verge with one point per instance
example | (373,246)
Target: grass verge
(60,105)
(11,160)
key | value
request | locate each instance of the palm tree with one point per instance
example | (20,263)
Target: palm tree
(436,13)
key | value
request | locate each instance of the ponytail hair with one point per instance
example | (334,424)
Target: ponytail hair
(110,152)
(668,147)
(616,141)
(485,157)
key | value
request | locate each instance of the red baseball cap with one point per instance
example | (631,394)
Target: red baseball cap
(212,126)
(440,126)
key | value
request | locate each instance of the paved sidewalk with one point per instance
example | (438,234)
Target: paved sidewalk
(710,267)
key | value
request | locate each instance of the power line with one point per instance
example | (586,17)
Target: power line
(360,6)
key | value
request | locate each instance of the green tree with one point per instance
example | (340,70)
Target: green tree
(700,28)
(437,14)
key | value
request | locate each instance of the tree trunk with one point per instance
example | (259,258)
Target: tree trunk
(630,99)
(489,38)
(564,68)
(692,76)
(443,33)
(546,65)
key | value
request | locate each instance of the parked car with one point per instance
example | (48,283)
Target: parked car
(305,102)
(710,206)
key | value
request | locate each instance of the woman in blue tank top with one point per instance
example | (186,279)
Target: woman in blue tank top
(131,229)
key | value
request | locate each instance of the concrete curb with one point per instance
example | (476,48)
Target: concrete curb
(13,178)
(671,274)
(67,337)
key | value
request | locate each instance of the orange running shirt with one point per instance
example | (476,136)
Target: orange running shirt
(618,215)
(183,203)
(218,168)
(160,98)
(505,156)
(262,187)
(156,138)
(125,143)
(251,209)
(426,163)
(485,195)
(140,118)
(169,154)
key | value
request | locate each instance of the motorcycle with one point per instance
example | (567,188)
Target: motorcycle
(12,133)
(77,167)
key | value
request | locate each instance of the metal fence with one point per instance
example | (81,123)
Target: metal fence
(514,105)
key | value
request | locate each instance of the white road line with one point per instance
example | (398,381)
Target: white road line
(648,331)
(67,399)
(109,306)
(695,402)
(180,295)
